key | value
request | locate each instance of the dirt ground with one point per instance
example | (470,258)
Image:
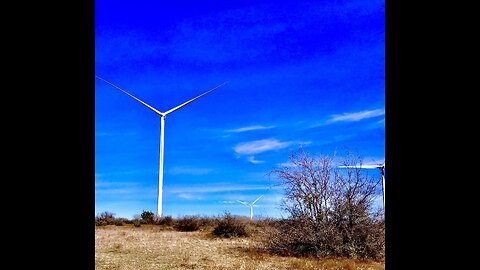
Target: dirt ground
(150,247)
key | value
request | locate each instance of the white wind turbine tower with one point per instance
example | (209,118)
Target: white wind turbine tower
(382,172)
(250,205)
(162,127)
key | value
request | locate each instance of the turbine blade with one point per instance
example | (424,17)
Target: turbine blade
(257,199)
(371,166)
(366,166)
(193,99)
(243,203)
(130,95)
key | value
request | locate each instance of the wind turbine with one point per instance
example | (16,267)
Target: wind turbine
(250,205)
(162,132)
(382,173)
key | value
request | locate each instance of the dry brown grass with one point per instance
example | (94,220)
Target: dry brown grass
(150,247)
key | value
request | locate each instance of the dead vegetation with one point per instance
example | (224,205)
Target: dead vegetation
(331,226)
(153,247)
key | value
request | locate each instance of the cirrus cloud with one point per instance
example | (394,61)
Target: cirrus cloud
(259,146)
(356,116)
(249,128)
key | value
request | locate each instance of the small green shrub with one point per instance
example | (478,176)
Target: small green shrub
(148,217)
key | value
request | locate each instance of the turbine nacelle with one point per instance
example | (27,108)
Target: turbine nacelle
(251,205)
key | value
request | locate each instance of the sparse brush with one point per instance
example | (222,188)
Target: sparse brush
(165,221)
(187,224)
(105,218)
(208,222)
(118,222)
(137,223)
(230,226)
(301,237)
(125,220)
(151,248)
(330,209)
(100,222)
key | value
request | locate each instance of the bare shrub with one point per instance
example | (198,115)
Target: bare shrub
(297,236)
(208,223)
(330,210)
(187,224)
(137,222)
(100,222)
(118,222)
(230,226)
(165,221)
(265,222)
(104,218)
(124,220)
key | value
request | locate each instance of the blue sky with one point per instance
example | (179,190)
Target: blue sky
(300,73)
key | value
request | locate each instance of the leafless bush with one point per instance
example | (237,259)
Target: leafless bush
(165,221)
(230,226)
(137,222)
(208,223)
(119,222)
(187,224)
(105,218)
(330,209)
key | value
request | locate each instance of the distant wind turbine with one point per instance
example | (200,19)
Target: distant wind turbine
(374,166)
(162,127)
(250,205)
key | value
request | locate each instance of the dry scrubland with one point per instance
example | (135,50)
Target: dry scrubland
(151,247)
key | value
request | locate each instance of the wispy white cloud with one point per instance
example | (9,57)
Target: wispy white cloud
(356,116)
(286,164)
(351,117)
(190,170)
(249,128)
(228,202)
(190,196)
(259,146)
(252,159)
(218,188)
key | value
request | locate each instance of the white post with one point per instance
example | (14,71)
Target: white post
(251,212)
(160,167)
